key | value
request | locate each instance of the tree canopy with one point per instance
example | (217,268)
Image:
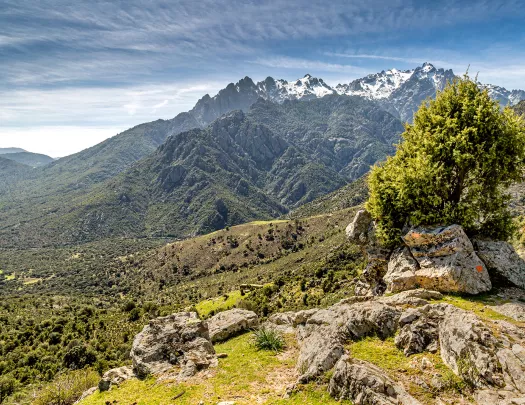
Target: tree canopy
(453,166)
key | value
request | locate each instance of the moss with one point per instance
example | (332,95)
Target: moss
(215,305)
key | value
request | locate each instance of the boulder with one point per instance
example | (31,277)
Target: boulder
(414,298)
(503,263)
(230,323)
(366,384)
(498,397)
(441,259)
(469,348)
(357,230)
(322,338)
(115,377)
(180,339)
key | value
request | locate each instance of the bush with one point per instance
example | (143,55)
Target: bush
(453,166)
(79,357)
(67,388)
(268,339)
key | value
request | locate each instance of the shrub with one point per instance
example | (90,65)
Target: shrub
(268,339)
(453,165)
(67,388)
(78,357)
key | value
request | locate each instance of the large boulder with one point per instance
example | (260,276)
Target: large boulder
(180,339)
(366,384)
(441,259)
(357,230)
(322,338)
(503,263)
(514,310)
(230,323)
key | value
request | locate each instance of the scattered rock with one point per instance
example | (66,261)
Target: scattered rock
(445,259)
(230,323)
(366,384)
(357,230)
(503,263)
(115,377)
(181,339)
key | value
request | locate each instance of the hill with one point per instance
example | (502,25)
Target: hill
(29,158)
(4,151)
(11,172)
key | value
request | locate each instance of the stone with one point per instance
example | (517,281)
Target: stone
(357,230)
(366,384)
(414,298)
(469,348)
(512,362)
(115,377)
(503,263)
(514,310)
(229,323)
(180,339)
(86,394)
(321,340)
(498,397)
(440,259)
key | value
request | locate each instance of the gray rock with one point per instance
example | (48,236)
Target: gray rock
(469,348)
(357,230)
(230,323)
(503,263)
(445,259)
(86,394)
(415,298)
(366,384)
(115,377)
(514,310)
(512,362)
(498,397)
(181,339)
(322,338)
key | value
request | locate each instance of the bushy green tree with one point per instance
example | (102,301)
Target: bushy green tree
(453,166)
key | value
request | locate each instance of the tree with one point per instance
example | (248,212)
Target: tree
(453,166)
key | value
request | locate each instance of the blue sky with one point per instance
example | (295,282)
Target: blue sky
(74,73)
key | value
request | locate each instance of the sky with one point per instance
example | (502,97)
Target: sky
(73,73)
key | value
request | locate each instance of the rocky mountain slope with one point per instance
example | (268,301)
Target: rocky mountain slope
(244,166)
(29,158)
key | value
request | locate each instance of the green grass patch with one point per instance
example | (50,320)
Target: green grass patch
(215,305)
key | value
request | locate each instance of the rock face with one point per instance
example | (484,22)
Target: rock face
(514,310)
(357,230)
(441,259)
(181,339)
(365,384)
(230,323)
(502,261)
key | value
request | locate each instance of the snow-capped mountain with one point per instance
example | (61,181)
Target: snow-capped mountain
(399,92)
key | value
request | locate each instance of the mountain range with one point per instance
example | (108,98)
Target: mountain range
(255,150)
(24,157)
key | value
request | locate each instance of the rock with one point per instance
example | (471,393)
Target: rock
(469,348)
(322,338)
(226,403)
(222,355)
(498,397)
(377,266)
(230,323)
(503,263)
(115,377)
(180,339)
(414,298)
(420,329)
(445,259)
(513,365)
(357,230)
(514,310)
(366,384)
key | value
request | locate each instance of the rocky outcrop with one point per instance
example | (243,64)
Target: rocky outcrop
(366,384)
(181,340)
(357,230)
(115,377)
(441,259)
(514,310)
(230,323)
(322,337)
(503,263)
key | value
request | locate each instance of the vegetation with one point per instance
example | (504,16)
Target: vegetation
(268,339)
(454,165)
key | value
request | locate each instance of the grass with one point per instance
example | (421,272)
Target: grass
(247,376)
(214,305)
(268,339)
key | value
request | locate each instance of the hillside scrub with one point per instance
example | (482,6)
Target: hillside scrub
(453,165)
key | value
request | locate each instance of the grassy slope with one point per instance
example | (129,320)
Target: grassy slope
(246,376)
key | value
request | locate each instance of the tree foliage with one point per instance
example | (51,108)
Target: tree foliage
(453,165)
